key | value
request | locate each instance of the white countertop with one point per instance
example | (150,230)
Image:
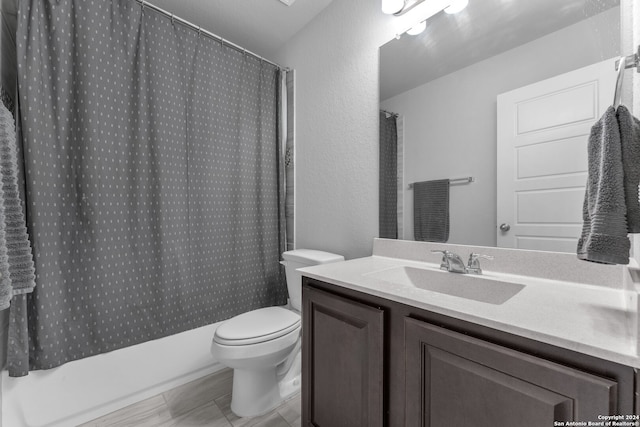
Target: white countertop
(596,320)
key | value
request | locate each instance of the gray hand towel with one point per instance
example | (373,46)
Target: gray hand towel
(431,210)
(630,140)
(604,233)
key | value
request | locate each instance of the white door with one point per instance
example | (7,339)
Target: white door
(543,130)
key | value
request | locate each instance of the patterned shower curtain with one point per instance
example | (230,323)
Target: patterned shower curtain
(153,180)
(388,179)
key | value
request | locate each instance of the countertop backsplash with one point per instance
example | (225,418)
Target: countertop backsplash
(545,265)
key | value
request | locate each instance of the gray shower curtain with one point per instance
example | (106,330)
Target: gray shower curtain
(153,180)
(388,178)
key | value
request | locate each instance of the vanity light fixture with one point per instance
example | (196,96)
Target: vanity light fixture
(391,7)
(422,10)
(400,7)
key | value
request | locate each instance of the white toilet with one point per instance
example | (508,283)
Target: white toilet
(263,346)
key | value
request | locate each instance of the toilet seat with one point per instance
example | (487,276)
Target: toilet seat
(257,326)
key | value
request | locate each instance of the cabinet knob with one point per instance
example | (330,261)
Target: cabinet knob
(505,227)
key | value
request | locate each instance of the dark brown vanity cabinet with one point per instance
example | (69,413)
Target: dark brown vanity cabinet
(368,361)
(342,350)
(463,381)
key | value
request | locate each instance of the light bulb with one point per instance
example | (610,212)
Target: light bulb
(392,6)
(417,29)
(456,6)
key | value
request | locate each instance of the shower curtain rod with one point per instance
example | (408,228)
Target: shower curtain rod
(209,34)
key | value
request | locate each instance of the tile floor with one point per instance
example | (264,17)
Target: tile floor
(203,402)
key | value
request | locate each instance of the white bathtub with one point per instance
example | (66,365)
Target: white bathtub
(89,388)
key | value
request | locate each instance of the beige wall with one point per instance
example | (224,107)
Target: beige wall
(336,63)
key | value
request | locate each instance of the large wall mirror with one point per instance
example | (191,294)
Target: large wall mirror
(443,87)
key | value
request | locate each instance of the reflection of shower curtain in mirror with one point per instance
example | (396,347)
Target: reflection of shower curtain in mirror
(153,165)
(388,181)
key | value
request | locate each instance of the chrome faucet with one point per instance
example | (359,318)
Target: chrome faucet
(474,263)
(453,263)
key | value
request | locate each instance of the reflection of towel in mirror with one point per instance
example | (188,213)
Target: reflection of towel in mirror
(431,210)
(630,140)
(604,233)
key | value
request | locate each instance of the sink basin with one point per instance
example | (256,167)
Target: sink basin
(478,288)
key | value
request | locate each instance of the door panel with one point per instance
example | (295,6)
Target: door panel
(464,393)
(543,131)
(542,112)
(553,158)
(554,200)
(454,379)
(342,348)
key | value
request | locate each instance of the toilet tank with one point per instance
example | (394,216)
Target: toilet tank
(300,258)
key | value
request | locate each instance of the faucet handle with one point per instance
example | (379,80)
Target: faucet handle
(475,256)
(444,264)
(451,262)
(474,262)
(440,251)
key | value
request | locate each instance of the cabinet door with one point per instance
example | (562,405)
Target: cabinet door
(342,371)
(456,380)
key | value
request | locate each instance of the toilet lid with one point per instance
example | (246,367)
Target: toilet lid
(256,326)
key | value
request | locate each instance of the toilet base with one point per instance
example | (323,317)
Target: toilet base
(254,392)
(290,382)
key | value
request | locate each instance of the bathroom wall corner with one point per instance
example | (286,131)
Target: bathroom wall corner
(336,61)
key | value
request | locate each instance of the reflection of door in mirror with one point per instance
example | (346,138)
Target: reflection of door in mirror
(543,130)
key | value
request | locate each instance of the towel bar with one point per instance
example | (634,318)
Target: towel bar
(631,61)
(465,180)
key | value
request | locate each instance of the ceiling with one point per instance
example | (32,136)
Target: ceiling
(484,29)
(260,26)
